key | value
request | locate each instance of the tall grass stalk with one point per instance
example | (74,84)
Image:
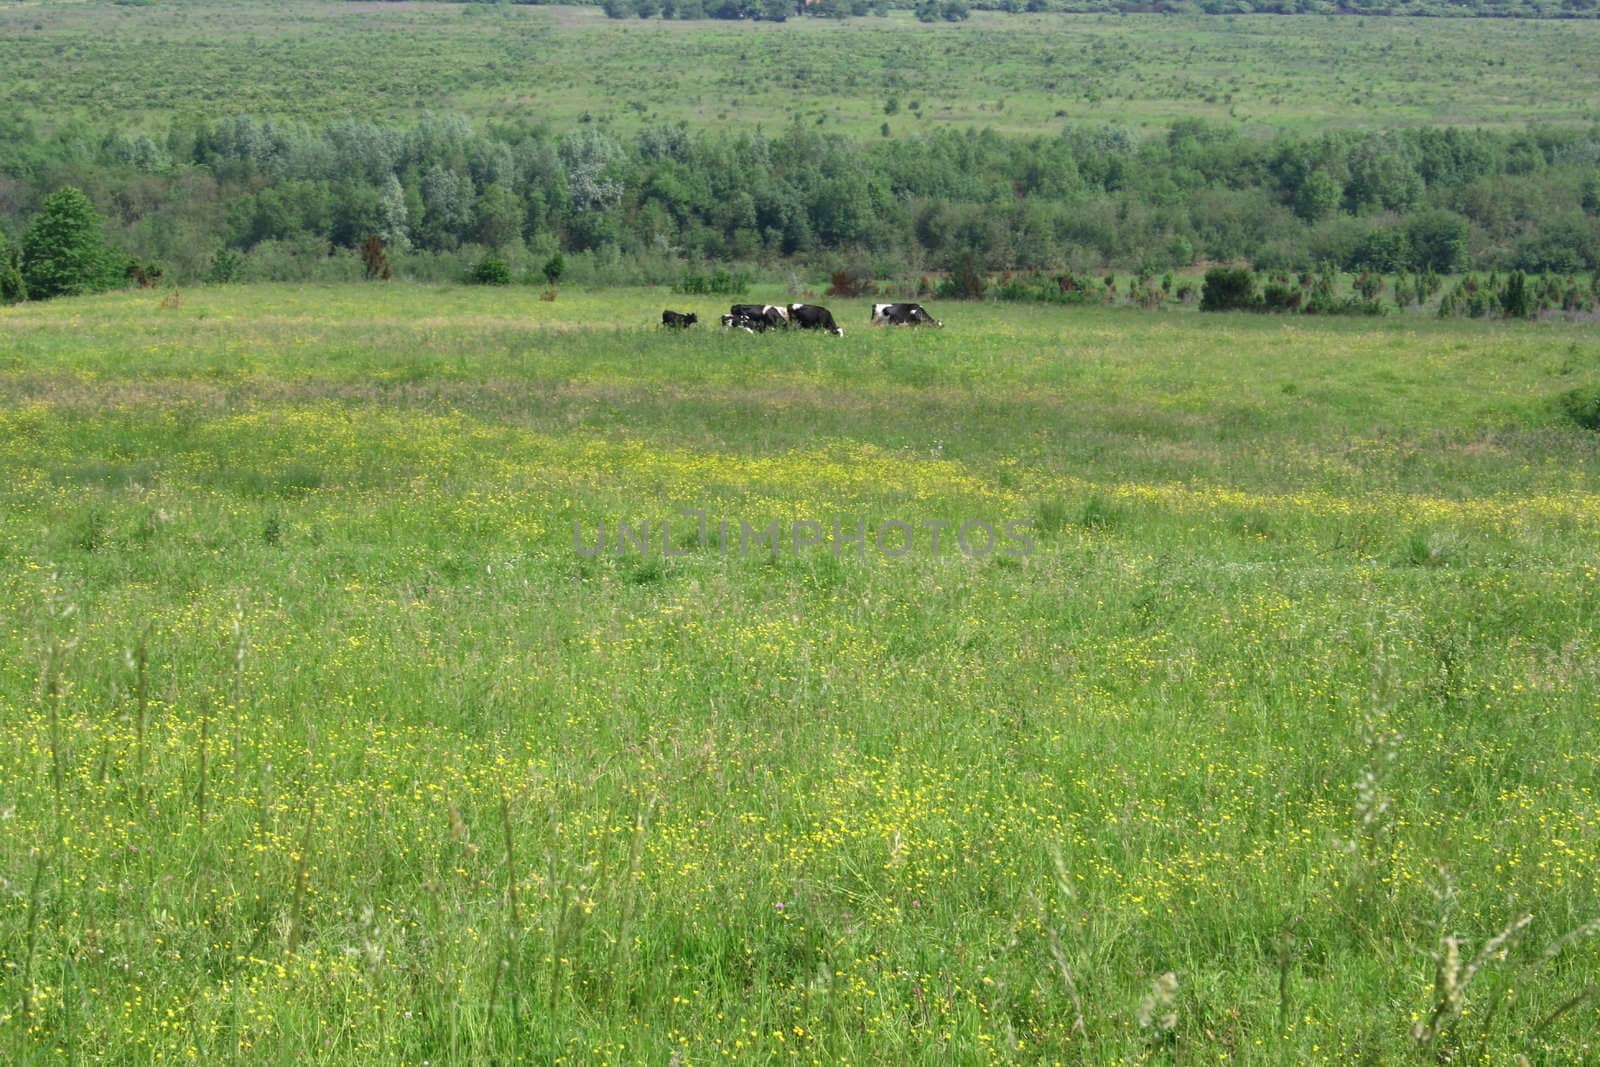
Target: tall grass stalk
(141,704)
(302,865)
(514,916)
(630,889)
(33,931)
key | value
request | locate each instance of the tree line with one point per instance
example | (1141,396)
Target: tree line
(249,198)
(931,10)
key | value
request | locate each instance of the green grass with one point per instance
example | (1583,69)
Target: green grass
(1300,677)
(321,59)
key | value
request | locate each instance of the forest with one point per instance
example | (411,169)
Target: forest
(244,198)
(931,10)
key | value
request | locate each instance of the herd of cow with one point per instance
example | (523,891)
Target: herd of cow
(758,318)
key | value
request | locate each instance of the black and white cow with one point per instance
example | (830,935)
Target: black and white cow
(677,320)
(814,317)
(902,315)
(761,316)
(738,322)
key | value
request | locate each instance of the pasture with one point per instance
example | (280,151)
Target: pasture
(320,742)
(314,60)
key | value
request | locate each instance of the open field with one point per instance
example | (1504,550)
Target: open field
(324,59)
(319,742)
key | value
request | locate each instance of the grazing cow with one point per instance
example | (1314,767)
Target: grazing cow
(761,316)
(677,320)
(738,322)
(902,315)
(814,317)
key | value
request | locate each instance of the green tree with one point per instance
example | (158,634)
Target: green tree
(394,216)
(1386,248)
(499,216)
(1516,301)
(1383,174)
(1318,196)
(1591,195)
(13,289)
(64,251)
(1438,241)
(1180,251)
(446,207)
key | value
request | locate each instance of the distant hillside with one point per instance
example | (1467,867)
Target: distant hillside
(956,10)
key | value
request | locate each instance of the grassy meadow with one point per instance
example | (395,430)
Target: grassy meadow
(320,741)
(315,60)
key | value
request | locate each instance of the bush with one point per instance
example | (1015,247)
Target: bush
(303,257)
(1438,241)
(491,270)
(144,273)
(965,281)
(1281,298)
(13,289)
(1228,289)
(1516,302)
(1046,289)
(1582,406)
(1386,249)
(554,268)
(843,283)
(374,260)
(717,283)
(226,266)
(1180,252)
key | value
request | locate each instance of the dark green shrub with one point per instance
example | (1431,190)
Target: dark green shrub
(226,266)
(1281,298)
(1516,302)
(554,268)
(13,290)
(1582,406)
(144,273)
(1228,289)
(491,270)
(965,281)
(717,283)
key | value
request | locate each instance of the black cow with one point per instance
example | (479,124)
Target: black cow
(814,317)
(760,316)
(902,315)
(677,320)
